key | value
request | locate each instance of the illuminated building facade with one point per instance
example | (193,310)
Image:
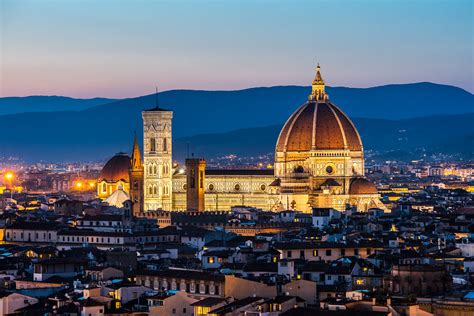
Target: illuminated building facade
(157,159)
(319,162)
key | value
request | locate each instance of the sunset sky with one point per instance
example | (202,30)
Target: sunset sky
(125,48)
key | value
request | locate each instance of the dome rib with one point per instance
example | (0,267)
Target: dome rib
(318,126)
(343,133)
(281,146)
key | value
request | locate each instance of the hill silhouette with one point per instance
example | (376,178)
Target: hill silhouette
(100,131)
(13,105)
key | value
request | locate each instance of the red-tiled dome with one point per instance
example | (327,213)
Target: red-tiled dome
(318,125)
(116,168)
(362,186)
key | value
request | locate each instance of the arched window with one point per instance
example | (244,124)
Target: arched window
(150,169)
(152,144)
(165,144)
(104,187)
(155,169)
(150,190)
(155,191)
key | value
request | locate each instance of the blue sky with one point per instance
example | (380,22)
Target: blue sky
(125,48)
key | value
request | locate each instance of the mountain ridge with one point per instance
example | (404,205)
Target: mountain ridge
(101,130)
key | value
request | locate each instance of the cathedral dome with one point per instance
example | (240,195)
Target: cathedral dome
(117,168)
(318,125)
(362,186)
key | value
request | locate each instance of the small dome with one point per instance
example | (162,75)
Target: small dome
(362,186)
(117,198)
(116,168)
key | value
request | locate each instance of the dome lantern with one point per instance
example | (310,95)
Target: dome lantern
(317,87)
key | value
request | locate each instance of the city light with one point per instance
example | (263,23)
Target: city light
(9,175)
(79,184)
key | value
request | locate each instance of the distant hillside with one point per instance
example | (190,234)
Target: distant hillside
(436,134)
(12,105)
(100,131)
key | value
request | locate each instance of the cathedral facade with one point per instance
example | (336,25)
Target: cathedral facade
(319,162)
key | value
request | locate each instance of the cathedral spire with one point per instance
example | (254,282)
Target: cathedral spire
(136,157)
(317,90)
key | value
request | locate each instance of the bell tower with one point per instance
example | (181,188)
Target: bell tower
(157,159)
(195,176)
(136,179)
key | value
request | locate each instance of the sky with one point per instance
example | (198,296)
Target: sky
(125,48)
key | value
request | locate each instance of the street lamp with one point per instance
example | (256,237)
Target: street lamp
(9,175)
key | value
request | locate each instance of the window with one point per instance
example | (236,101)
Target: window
(104,187)
(210,260)
(343,252)
(329,169)
(301,253)
(152,144)
(165,144)
(237,187)
(192,182)
(356,252)
(288,254)
(315,253)
(328,252)
(263,187)
(211,187)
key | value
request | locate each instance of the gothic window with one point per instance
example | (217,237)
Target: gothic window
(150,190)
(155,169)
(165,144)
(155,190)
(104,187)
(150,169)
(152,144)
